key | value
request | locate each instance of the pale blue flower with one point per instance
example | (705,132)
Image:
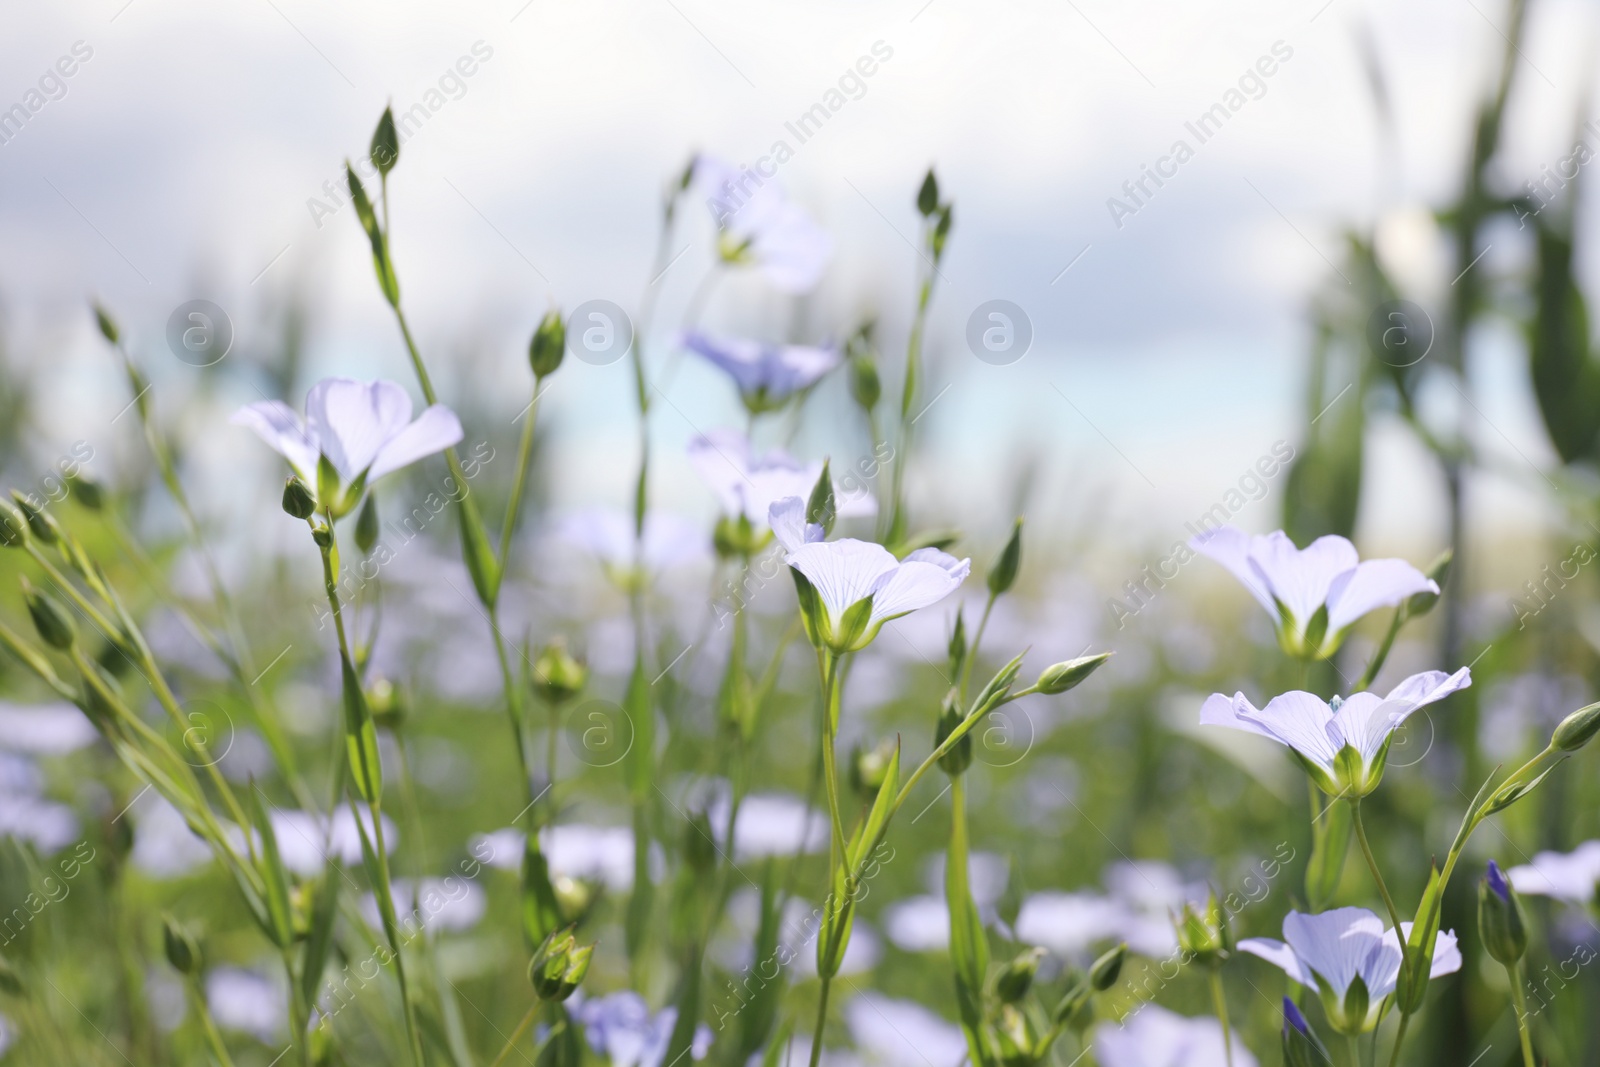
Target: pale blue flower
(1314,594)
(766,375)
(1334,951)
(1570,876)
(841,575)
(1343,745)
(757,224)
(361,428)
(620,1027)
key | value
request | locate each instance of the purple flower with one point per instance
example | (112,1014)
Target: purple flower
(748,485)
(1326,579)
(1293,1018)
(766,375)
(1497,882)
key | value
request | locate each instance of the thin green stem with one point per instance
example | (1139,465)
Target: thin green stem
(1354,1045)
(1382,654)
(1519,1002)
(1399,1039)
(516,1035)
(1219,1003)
(519,479)
(297,1015)
(831,680)
(1372,863)
(972,653)
(208,1025)
(822,1022)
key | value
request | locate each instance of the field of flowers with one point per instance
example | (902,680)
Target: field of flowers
(453,776)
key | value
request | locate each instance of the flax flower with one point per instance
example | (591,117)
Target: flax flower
(1350,959)
(1314,593)
(766,375)
(1344,744)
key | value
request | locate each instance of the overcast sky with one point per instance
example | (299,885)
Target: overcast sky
(186,156)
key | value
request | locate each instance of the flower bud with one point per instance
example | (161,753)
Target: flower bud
(870,767)
(385,704)
(548,346)
(941,231)
(1301,1046)
(548,968)
(1060,677)
(1004,572)
(385,148)
(297,499)
(367,525)
(928,195)
(734,537)
(183,952)
(820,508)
(1577,729)
(1501,922)
(557,676)
(959,758)
(90,493)
(957,647)
(577,969)
(1105,971)
(699,847)
(865,385)
(13,527)
(38,525)
(1205,937)
(1014,1038)
(1017,977)
(49,618)
(107,324)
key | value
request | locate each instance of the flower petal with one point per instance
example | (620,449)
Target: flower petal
(1230,546)
(1338,944)
(1220,710)
(1430,686)
(787,518)
(353,420)
(1280,956)
(1570,876)
(843,572)
(1301,578)
(1376,583)
(925,577)
(1301,721)
(435,430)
(277,424)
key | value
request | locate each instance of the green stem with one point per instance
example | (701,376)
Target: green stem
(1354,1044)
(1399,1039)
(1372,863)
(972,653)
(1519,1001)
(1382,654)
(519,480)
(831,680)
(202,1012)
(516,1035)
(1219,1003)
(822,1022)
(297,1016)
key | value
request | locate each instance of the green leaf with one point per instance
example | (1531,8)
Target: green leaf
(760,1011)
(319,941)
(273,875)
(477,554)
(969,945)
(381,890)
(1412,984)
(361,737)
(385,148)
(878,817)
(541,915)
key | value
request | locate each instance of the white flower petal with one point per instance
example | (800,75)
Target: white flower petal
(1570,876)
(844,572)
(792,250)
(1300,720)
(1430,687)
(1219,710)
(920,580)
(1338,944)
(435,430)
(1280,956)
(1377,583)
(1230,546)
(353,420)
(276,423)
(1301,578)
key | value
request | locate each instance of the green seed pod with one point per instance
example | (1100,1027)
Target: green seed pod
(38,524)
(297,499)
(49,618)
(548,346)
(183,951)
(385,148)
(865,385)
(928,195)
(549,966)
(1004,572)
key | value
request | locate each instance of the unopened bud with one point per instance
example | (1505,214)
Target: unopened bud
(183,952)
(959,758)
(1501,923)
(13,527)
(870,767)
(385,704)
(547,970)
(865,385)
(1577,729)
(1060,677)
(548,345)
(297,498)
(557,675)
(1017,977)
(108,325)
(928,195)
(1419,604)
(1103,973)
(367,525)
(1004,572)
(49,618)
(38,525)
(1301,1046)
(90,493)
